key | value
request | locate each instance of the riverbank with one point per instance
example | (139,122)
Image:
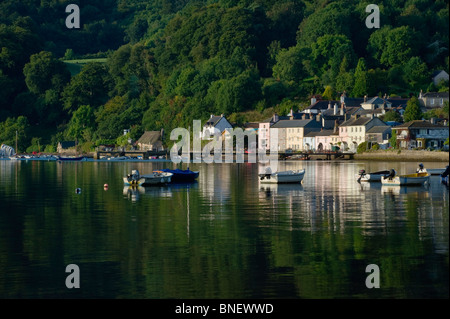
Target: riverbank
(403,155)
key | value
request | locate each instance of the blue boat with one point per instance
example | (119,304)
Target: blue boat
(182,175)
(79,158)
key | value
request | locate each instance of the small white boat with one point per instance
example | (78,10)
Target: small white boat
(155,178)
(282,177)
(410,179)
(370,177)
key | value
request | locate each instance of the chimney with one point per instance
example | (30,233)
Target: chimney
(221,115)
(365,98)
(329,105)
(162,134)
(372,116)
(420,94)
(211,116)
(318,118)
(304,117)
(313,100)
(342,109)
(336,126)
(335,109)
(433,120)
(275,118)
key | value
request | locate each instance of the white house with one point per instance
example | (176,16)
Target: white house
(218,122)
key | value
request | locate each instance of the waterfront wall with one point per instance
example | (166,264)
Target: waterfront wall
(404,155)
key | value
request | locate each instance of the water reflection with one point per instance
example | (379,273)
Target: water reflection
(226,236)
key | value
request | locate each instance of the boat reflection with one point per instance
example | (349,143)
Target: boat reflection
(269,190)
(400,190)
(134,193)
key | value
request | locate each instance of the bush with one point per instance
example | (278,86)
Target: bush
(361,148)
(375,147)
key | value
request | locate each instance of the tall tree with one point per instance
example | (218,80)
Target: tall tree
(361,86)
(412,111)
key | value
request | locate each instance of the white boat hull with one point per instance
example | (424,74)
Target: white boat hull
(406,180)
(282,177)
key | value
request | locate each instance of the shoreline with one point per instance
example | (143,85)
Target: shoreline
(403,156)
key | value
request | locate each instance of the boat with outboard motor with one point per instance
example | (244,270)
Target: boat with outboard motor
(410,179)
(155,178)
(362,176)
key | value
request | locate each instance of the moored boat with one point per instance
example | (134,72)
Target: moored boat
(282,177)
(71,158)
(362,176)
(444,176)
(409,179)
(182,175)
(155,178)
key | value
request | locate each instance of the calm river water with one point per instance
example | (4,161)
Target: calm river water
(222,237)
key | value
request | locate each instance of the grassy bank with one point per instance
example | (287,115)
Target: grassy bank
(404,155)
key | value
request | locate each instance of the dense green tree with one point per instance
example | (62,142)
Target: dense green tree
(289,66)
(330,19)
(416,74)
(12,128)
(83,118)
(393,46)
(89,87)
(329,51)
(412,110)
(361,86)
(44,72)
(392,116)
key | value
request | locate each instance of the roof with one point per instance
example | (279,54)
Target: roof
(353,101)
(378,129)
(251,125)
(296,123)
(322,105)
(419,124)
(312,134)
(376,100)
(398,102)
(150,137)
(213,120)
(362,120)
(438,72)
(67,144)
(270,119)
(436,95)
(324,133)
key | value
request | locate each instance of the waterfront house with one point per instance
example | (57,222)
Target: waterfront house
(353,131)
(218,122)
(66,146)
(309,141)
(291,132)
(421,134)
(379,135)
(264,130)
(151,141)
(431,100)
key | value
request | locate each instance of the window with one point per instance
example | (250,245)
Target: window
(419,143)
(432,102)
